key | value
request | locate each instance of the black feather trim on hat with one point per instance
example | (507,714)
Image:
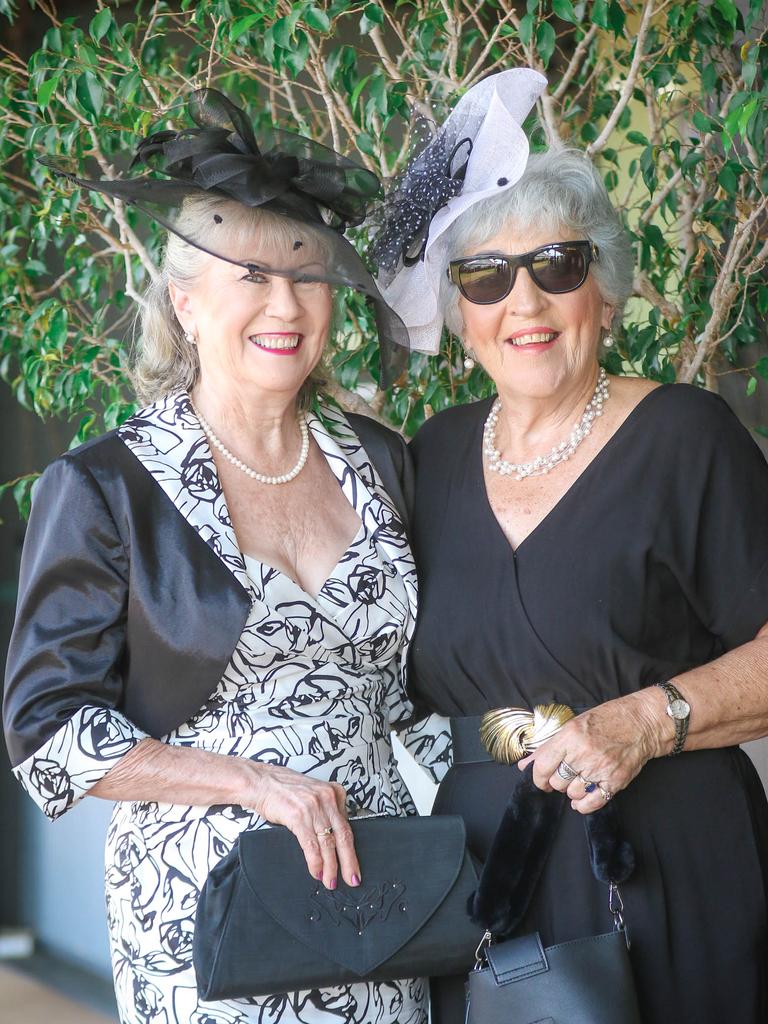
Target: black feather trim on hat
(283,172)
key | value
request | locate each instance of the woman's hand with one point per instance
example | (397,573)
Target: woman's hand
(607,745)
(309,807)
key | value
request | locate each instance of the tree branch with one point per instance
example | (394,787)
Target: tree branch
(44,294)
(644,287)
(389,65)
(725,291)
(351,401)
(626,93)
(477,67)
(575,63)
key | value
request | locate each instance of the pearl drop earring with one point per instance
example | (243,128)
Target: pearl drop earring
(190,338)
(608,341)
(469,359)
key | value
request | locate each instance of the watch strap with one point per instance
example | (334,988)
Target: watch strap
(681,724)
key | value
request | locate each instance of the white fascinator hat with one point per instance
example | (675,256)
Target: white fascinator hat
(480,151)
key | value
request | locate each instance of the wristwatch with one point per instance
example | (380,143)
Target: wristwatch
(679,710)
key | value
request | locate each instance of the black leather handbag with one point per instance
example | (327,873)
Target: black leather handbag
(265,926)
(584,981)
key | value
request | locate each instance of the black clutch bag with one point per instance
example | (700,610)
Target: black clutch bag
(265,926)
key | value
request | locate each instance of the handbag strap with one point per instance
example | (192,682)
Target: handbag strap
(520,849)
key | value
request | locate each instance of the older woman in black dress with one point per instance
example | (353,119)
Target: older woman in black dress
(600,542)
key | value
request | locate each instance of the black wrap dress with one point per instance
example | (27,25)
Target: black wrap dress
(655,561)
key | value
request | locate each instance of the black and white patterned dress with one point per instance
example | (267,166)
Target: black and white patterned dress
(314,684)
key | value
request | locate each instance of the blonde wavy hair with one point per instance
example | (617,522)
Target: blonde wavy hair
(162,360)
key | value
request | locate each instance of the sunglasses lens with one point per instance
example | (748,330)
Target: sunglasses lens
(559,269)
(485,280)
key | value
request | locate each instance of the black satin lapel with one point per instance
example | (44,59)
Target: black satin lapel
(186,610)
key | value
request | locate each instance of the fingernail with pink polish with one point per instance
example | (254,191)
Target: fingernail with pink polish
(332,884)
(319,877)
(355,880)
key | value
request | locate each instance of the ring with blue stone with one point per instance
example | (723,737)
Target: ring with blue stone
(589,786)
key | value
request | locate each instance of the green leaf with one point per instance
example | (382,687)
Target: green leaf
(52,40)
(317,19)
(749,73)
(746,113)
(57,328)
(100,24)
(616,18)
(377,102)
(296,57)
(564,10)
(690,162)
(600,13)
(282,32)
(637,138)
(728,10)
(761,368)
(546,41)
(372,17)
(526,29)
(128,85)
(87,55)
(22,494)
(364,143)
(242,25)
(588,132)
(709,77)
(704,123)
(90,93)
(728,178)
(356,92)
(47,89)
(751,386)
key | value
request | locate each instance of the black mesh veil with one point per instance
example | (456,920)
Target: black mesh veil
(283,172)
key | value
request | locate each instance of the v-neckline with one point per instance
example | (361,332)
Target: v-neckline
(315,598)
(565,496)
(311,421)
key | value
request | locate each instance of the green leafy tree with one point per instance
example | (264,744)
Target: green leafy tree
(668,97)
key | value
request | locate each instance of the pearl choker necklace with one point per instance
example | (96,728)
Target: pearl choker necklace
(262,478)
(543,464)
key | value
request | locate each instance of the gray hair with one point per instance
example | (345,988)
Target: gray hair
(562,190)
(163,361)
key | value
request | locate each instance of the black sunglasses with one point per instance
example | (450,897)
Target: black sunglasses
(556,268)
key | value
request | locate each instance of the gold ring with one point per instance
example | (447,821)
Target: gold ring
(326,831)
(510,734)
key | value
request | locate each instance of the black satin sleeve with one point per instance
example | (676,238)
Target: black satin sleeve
(68,639)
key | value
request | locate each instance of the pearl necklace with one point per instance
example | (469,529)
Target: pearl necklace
(543,464)
(262,478)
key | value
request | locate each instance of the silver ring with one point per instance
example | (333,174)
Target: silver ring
(566,773)
(326,831)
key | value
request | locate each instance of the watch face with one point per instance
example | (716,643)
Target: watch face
(679,709)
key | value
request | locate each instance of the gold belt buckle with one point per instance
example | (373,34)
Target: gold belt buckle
(510,734)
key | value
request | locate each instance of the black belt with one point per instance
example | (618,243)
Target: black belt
(468,748)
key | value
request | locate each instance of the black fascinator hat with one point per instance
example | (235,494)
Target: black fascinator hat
(282,172)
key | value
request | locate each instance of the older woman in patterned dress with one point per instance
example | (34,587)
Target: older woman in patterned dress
(215,604)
